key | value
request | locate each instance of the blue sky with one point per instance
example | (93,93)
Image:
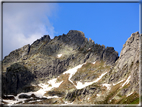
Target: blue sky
(110,24)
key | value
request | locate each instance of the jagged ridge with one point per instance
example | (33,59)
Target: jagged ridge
(102,69)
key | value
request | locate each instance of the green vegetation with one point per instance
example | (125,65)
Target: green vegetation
(132,99)
(136,101)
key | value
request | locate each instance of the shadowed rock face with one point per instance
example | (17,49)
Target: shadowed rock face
(48,58)
(41,56)
(16,78)
(16,55)
(38,44)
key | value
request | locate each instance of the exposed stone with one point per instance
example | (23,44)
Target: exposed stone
(81,93)
(17,54)
(127,64)
(110,55)
(16,77)
(40,62)
(41,56)
(38,44)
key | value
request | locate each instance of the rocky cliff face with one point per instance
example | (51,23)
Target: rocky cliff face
(42,58)
(128,63)
(70,69)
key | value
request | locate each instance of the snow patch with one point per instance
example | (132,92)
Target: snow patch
(72,71)
(118,82)
(54,83)
(98,95)
(127,81)
(31,101)
(9,95)
(39,93)
(89,49)
(108,86)
(81,85)
(66,102)
(59,55)
(49,97)
(38,100)
(45,87)
(11,102)
(100,77)
(129,94)
(93,62)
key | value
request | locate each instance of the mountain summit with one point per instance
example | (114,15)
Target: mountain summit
(70,69)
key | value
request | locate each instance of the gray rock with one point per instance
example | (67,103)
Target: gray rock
(21,96)
(15,79)
(110,55)
(127,64)
(41,58)
(82,93)
(35,46)
(39,62)
(16,55)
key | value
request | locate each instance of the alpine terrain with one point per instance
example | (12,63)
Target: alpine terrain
(70,69)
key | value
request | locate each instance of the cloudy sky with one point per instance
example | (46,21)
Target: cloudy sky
(23,23)
(109,24)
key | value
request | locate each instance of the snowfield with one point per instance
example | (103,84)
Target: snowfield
(108,86)
(72,71)
(40,93)
(54,84)
(81,85)
(11,102)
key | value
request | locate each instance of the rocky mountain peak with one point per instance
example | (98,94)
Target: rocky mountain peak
(131,43)
(76,37)
(74,33)
(45,37)
(72,69)
(127,65)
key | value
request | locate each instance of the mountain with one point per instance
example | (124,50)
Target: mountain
(70,69)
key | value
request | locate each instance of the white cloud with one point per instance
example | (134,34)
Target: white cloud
(23,23)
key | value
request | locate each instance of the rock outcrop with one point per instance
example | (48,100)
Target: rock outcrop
(41,57)
(16,79)
(126,68)
(72,69)
(122,79)
(128,63)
